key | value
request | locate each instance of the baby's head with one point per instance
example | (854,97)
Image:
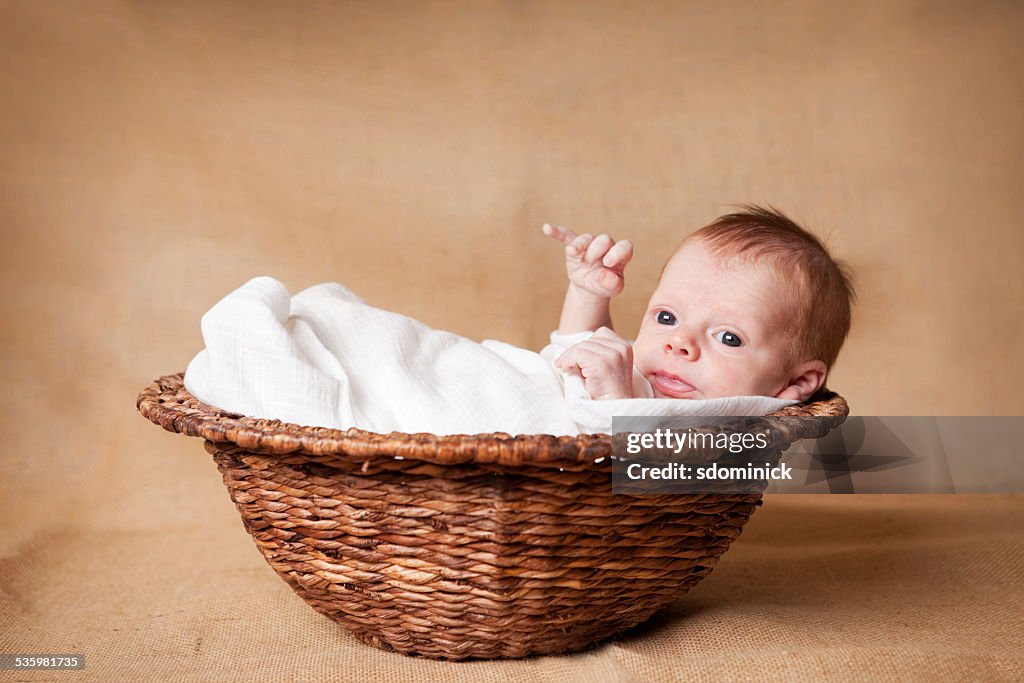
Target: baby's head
(750,305)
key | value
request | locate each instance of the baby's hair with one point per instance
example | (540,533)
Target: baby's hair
(822,286)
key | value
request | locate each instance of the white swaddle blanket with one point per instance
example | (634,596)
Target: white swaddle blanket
(326,358)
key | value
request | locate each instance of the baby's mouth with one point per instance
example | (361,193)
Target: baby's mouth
(672,386)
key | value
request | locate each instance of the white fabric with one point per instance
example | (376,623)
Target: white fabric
(326,358)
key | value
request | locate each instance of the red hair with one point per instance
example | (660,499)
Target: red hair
(821,286)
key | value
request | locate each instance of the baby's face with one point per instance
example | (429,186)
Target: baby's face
(714,328)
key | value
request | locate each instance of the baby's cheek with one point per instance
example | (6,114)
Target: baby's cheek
(764,380)
(733,381)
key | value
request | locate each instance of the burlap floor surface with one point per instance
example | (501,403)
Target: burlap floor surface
(848,588)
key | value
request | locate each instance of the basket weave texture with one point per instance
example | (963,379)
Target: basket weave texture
(481,546)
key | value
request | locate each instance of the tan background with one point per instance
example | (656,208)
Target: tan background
(156,155)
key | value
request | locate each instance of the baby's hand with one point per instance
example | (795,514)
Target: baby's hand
(594,264)
(606,363)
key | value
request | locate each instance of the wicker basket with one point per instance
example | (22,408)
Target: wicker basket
(461,547)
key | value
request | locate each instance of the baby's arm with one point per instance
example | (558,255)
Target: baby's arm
(605,361)
(595,267)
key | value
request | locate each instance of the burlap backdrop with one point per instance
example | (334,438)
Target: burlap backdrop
(157,155)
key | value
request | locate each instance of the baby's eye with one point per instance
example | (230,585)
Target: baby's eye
(729,338)
(665,318)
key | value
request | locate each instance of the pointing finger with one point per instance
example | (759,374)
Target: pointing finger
(563,235)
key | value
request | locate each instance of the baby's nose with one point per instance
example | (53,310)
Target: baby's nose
(683,347)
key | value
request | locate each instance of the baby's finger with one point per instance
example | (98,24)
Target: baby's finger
(578,246)
(577,353)
(607,333)
(587,352)
(567,357)
(563,235)
(598,248)
(609,349)
(610,280)
(568,360)
(619,255)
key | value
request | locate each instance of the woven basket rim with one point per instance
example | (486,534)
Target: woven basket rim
(167,403)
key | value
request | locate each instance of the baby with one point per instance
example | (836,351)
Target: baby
(750,305)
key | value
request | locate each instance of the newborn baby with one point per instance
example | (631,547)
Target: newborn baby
(749,315)
(750,305)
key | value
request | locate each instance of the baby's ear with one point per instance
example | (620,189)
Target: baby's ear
(805,379)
